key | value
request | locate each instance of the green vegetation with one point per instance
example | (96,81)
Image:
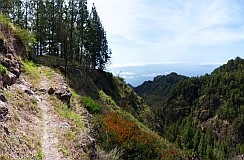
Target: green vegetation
(3,69)
(205,114)
(65,30)
(4,20)
(39,155)
(31,73)
(91,105)
(107,101)
(68,113)
(47,72)
(64,151)
(70,138)
(158,90)
(31,68)
(26,38)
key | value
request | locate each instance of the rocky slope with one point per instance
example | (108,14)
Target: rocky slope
(34,104)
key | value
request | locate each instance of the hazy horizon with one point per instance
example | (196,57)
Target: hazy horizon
(136,75)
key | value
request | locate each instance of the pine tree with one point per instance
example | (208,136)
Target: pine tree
(26,13)
(73,15)
(17,13)
(52,28)
(196,139)
(98,47)
(201,146)
(6,7)
(62,28)
(59,28)
(82,23)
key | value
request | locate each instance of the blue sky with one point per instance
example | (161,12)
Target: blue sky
(146,32)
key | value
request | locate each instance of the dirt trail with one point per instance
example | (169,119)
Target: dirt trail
(50,125)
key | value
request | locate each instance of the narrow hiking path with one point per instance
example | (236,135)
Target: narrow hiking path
(51,124)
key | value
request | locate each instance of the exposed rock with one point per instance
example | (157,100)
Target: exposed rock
(42,90)
(2,97)
(23,85)
(6,130)
(64,95)
(9,56)
(1,45)
(7,62)
(51,91)
(240,157)
(9,79)
(15,71)
(3,113)
(29,92)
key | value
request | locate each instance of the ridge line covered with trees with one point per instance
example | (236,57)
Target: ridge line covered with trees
(202,114)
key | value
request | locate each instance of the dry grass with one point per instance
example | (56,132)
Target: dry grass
(20,134)
(20,138)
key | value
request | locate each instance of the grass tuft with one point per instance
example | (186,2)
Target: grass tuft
(91,105)
(64,151)
(32,74)
(68,113)
(3,69)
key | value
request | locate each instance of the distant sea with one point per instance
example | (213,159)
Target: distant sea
(136,75)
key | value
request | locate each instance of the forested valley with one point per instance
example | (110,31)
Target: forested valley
(202,114)
(54,87)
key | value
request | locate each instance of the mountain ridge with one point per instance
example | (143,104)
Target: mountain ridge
(211,105)
(158,89)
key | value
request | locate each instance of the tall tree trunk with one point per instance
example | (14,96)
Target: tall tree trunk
(71,31)
(26,15)
(37,27)
(52,29)
(49,38)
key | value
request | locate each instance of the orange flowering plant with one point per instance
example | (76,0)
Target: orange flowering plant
(116,131)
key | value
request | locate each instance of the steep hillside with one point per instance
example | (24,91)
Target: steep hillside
(42,117)
(159,89)
(205,114)
(34,123)
(92,83)
(19,114)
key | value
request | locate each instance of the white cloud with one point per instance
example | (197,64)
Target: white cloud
(126,73)
(127,77)
(151,75)
(144,32)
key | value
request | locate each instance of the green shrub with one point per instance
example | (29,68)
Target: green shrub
(91,105)
(4,20)
(3,69)
(27,38)
(31,68)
